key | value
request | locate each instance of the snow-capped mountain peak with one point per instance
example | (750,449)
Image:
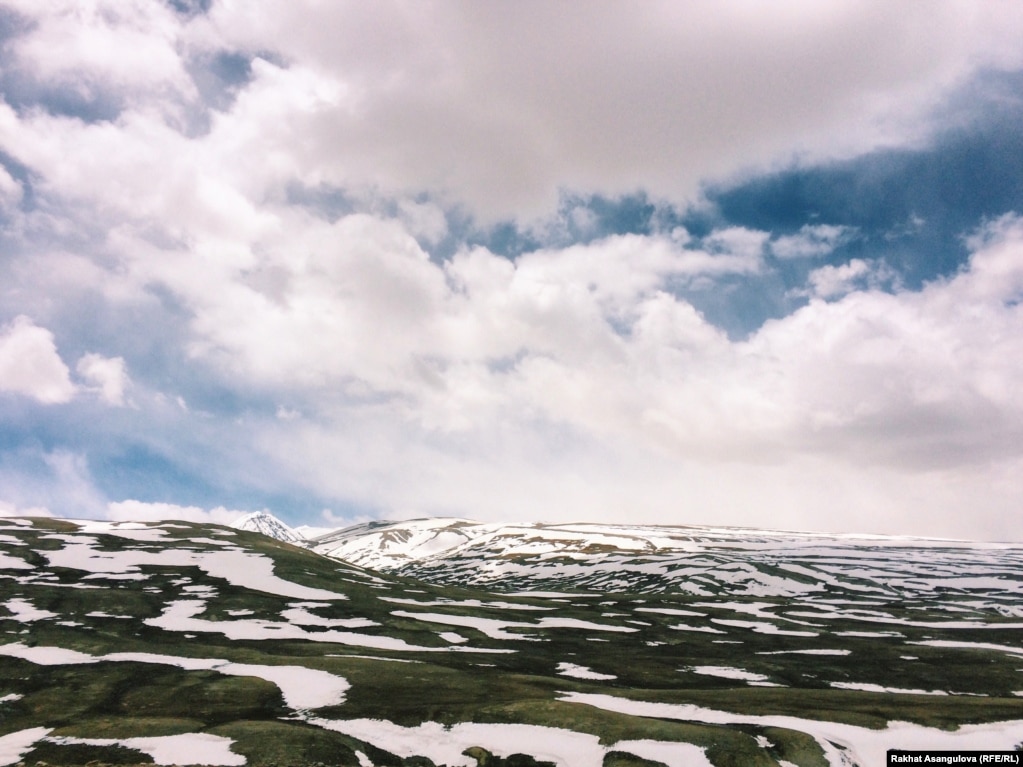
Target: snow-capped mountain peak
(267,524)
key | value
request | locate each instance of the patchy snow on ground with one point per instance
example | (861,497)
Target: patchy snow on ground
(865,746)
(14,745)
(727,672)
(702,629)
(573,623)
(25,612)
(300,616)
(494,628)
(582,672)
(189,748)
(566,748)
(8,562)
(180,616)
(670,611)
(760,627)
(462,603)
(45,656)
(669,754)
(970,646)
(302,688)
(806,652)
(239,568)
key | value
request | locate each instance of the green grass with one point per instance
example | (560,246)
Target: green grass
(129,699)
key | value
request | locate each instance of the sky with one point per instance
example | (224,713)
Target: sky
(740,263)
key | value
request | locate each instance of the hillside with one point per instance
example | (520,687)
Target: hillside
(179,643)
(700,561)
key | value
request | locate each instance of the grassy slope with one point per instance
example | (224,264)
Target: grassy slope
(655,662)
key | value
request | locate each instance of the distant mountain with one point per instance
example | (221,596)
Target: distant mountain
(196,644)
(267,524)
(702,561)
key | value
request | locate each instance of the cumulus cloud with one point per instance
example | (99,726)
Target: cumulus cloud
(8,509)
(10,190)
(812,241)
(30,364)
(912,390)
(107,376)
(97,47)
(830,281)
(314,238)
(418,97)
(143,511)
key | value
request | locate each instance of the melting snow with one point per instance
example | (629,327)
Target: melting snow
(180,616)
(806,652)
(971,646)
(14,745)
(760,627)
(582,672)
(670,611)
(302,688)
(25,612)
(704,629)
(8,562)
(727,672)
(240,568)
(865,746)
(302,617)
(444,745)
(189,748)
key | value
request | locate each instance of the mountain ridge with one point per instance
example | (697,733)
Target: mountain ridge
(686,559)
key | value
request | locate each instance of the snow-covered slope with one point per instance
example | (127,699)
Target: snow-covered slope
(184,643)
(694,560)
(269,525)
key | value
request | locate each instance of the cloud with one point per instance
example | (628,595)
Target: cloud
(11,510)
(10,190)
(871,404)
(49,481)
(141,511)
(323,237)
(812,241)
(108,376)
(101,46)
(432,97)
(30,364)
(830,281)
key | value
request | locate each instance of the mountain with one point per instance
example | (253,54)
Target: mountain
(701,561)
(267,524)
(181,643)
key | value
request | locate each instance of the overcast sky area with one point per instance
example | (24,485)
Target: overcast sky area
(754,264)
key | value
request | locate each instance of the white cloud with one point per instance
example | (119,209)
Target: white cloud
(142,511)
(100,45)
(571,381)
(830,281)
(10,190)
(108,376)
(462,100)
(56,482)
(873,406)
(812,241)
(8,509)
(30,364)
